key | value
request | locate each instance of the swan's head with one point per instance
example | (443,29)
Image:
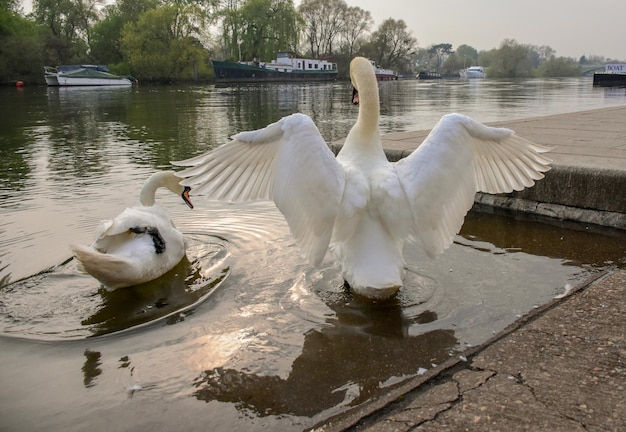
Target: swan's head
(362,76)
(185,196)
(175,186)
(168,180)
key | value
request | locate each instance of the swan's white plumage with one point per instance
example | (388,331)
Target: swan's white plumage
(121,255)
(287,162)
(358,203)
(457,159)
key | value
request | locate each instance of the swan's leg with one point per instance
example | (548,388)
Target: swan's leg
(159,243)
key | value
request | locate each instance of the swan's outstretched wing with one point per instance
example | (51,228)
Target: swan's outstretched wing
(459,158)
(287,162)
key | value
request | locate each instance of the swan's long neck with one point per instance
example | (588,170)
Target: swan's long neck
(148,191)
(369,108)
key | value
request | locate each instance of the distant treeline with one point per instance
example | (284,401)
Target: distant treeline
(162,41)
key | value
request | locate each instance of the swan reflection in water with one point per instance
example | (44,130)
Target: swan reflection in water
(169,297)
(345,364)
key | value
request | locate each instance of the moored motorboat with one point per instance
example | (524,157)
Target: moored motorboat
(50,74)
(84,75)
(428,75)
(473,72)
(383,74)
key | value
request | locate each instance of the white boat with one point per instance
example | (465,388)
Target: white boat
(473,72)
(383,74)
(50,74)
(84,75)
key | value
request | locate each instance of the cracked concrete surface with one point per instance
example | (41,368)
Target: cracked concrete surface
(564,370)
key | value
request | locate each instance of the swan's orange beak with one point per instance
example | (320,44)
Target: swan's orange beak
(185,196)
(355,96)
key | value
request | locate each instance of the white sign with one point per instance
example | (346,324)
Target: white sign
(615,68)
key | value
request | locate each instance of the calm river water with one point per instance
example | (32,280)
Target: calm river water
(242,335)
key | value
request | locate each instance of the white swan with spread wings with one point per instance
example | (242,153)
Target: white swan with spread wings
(361,206)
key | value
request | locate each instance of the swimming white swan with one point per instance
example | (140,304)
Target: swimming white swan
(358,203)
(141,243)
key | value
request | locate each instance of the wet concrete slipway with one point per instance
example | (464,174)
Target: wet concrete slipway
(562,367)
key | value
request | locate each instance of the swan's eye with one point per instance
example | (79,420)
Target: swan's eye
(355,96)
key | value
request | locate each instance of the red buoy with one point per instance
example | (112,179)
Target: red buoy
(20,84)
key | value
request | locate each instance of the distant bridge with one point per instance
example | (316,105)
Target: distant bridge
(591,69)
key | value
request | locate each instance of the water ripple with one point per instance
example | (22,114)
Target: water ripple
(63,303)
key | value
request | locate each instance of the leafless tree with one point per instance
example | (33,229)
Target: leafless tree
(325,20)
(357,24)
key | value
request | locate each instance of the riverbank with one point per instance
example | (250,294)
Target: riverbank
(589,166)
(563,365)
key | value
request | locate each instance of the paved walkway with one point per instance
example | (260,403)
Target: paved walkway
(560,368)
(590,139)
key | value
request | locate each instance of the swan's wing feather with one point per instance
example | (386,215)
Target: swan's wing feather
(138,216)
(459,158)
(308,186)
(288,162)
(236,171)
(102,229)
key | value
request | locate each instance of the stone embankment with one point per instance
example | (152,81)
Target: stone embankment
(587,182)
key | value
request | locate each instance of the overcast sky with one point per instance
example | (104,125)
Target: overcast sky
(571,27)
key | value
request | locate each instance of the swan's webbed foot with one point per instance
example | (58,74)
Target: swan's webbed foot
(157,240)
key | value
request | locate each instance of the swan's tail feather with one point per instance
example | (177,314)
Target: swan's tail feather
(111,270)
